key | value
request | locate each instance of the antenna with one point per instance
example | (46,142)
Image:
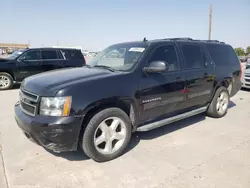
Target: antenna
(145,39)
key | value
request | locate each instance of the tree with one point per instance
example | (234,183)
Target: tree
(248,50)
(239,51)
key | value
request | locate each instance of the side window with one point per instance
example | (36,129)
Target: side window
(75,54)
(167,54)
(222,55)
(49,54)
(31,55)
(72,54)
(216,53)
(193,56)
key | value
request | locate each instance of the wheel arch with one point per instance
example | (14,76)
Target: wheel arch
(11,73)
(226,82)
(126,104)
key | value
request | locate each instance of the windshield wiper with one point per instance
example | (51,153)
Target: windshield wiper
(105,67)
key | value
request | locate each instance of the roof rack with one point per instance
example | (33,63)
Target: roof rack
(181,38)
(215,41)
(190,39)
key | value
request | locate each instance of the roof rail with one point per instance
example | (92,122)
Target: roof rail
(181,38)
(190,39)
(212,41)
(216,41)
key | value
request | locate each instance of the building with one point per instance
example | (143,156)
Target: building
(7,48)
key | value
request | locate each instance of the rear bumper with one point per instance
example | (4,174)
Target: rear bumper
(54,133)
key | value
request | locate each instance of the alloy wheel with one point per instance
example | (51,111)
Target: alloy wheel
(110,135)
(222,103)
(4,82)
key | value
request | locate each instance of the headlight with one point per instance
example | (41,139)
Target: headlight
(55,106)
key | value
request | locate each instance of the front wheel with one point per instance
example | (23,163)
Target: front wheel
(219,105)
(6,81)
(107,135)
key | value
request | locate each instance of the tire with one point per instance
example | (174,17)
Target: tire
(100,126)
(5,78)
(218,107)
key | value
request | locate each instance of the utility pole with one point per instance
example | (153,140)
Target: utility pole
(210,22)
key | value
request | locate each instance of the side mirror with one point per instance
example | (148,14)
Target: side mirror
(156,67)
(19,60)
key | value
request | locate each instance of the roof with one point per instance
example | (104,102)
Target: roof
(145,41)
(50,48)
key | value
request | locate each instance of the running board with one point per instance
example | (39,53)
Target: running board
(163,122)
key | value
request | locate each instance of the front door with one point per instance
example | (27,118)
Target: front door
(161,94)
(199,73)
(28,64)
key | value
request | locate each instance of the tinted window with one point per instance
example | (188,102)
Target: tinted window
(49,54)
(167,54)
(32,55)
(193,56)
(72,54)
(222,54)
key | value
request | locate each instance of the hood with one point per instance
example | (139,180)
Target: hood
(48,83)
(2,60)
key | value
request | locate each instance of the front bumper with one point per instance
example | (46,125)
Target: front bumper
(58,134)
(245,82)
(246,85)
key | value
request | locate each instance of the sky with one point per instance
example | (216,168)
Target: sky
(96,24)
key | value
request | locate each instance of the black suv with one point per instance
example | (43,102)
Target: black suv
(128,87)
(27,62)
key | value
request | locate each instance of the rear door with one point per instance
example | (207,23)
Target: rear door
(199,73)
(73,58)
(28,64)
(51,60)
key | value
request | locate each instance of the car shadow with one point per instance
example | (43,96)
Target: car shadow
(167,129)
(16,86)
(231,104)
(245,89)
(71,155)
(138,136)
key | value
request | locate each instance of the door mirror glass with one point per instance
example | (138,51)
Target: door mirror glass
(156,67)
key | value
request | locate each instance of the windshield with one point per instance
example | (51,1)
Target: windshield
(121,57)
(16,54)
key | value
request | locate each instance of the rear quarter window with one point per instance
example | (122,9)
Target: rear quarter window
(222,55)
(72,54)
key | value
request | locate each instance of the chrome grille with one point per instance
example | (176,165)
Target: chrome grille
(28,102)
(247,75)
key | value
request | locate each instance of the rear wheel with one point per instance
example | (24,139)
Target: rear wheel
(6,81)
(107,135)
(219,105)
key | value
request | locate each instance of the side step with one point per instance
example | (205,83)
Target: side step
(163,122)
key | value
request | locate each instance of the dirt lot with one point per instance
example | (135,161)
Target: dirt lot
(197,152)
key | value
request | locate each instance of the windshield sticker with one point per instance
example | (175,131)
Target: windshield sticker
(136,49)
